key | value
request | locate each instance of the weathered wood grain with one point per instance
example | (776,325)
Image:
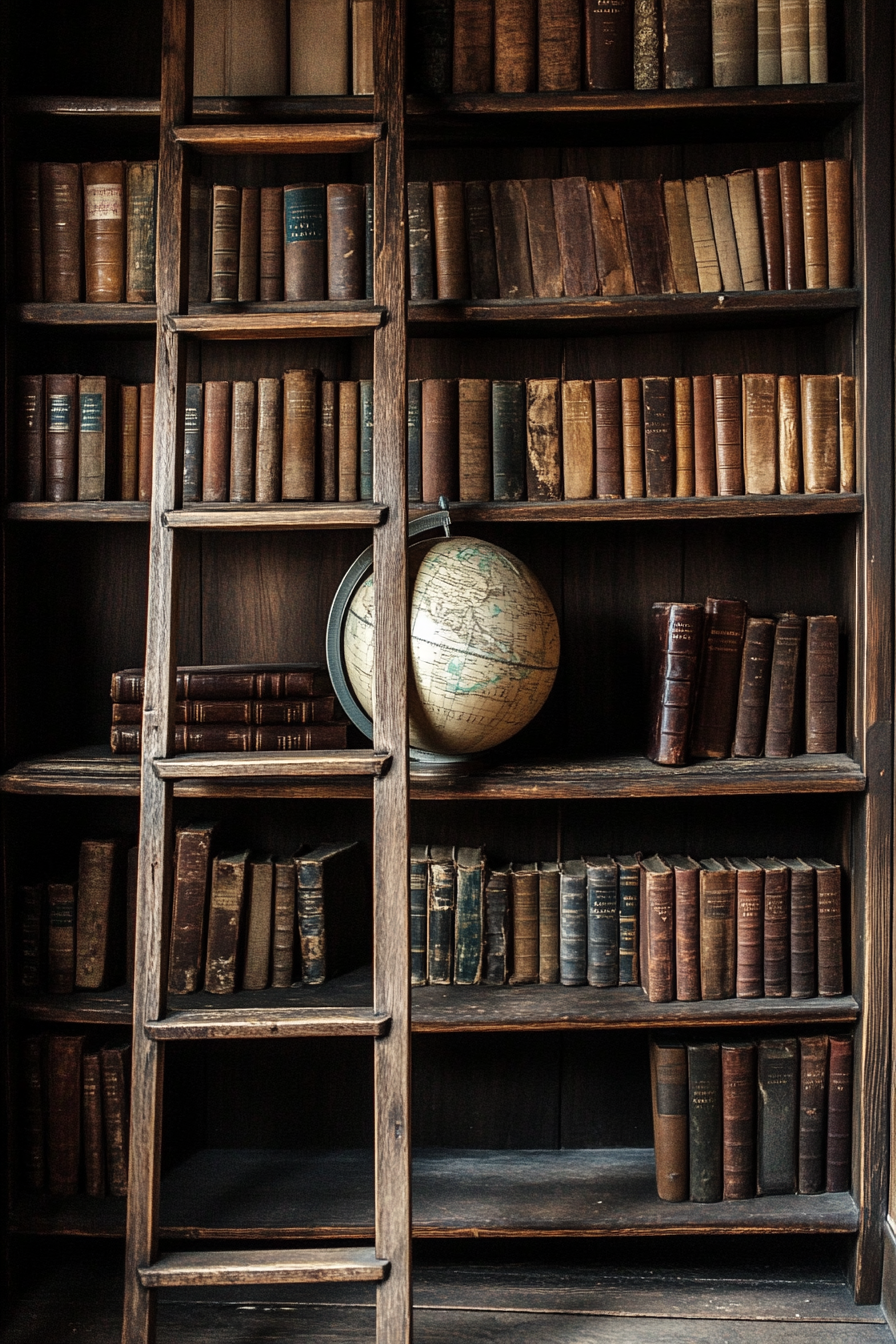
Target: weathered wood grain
(278,321)
(273,764)
(80,511)
(247,1023)
(104,315)
(779,99)
(320,138)
(625,510)
(274,517)
(195,1269)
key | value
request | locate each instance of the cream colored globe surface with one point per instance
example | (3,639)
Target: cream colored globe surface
(485,645)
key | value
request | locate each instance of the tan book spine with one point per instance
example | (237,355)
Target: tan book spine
(128,419)
(146,441)
(818,42)
(224,917)
(681,243)
(745,214)
(632,439)
(838,204)
(578,439)
(256,49)
(705,482)
(543,478)
(847,434)
(269,453)
(299,432)
(515,46)
(140,232)
(474,437)
(242,443)
(329,421)
(452,267)
(768,42)
(820,406)
(348,450)
(98,915)
(319,47)
(96,436)
(250,227)
(684,438)
(723,230)
(700,219)
(794,41)
(815,222)
(362,47)
(760,431)
(614,263)
(256,972)
(104,233)
(270,235)
(789,446)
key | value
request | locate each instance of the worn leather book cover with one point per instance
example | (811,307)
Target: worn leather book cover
(231,681)
(32,939)
(733,42)
(30,434)
(452,270)
(632,438)
(749,976)
(820,416)
(60,937)
(469,927)
(300,388)
(329,421)
(473,53)
(224,916)
(544,248)
(318,47)
(439,420)
(768,189)
(822,663)
(115,1062)
(430,31)
(848,412)
(768,42)
(609,44)
(516,46)
(687,44)
(724,628)
(815,222)
(415,447)
(511,240)
(728,433)
(723,232)
(283,934)
(778,1117)
(146,410)
(838,209)
(419,912)
(365,444)
(345,241)
(830,927)
(305,737)
(738,1120)
(646,40)
(34,1050)
(669,1093)
(97,438)
(104,231)
(99,960)
(578,439)
(760,433)
(839,1136)
(573,215)
(611,252)
(508,439)
(61,229)
(525,924)
(780,725)
(675,644)
(442,903)
(790,448)
(648,237)
(794,41)
(602,900)
(745,217)
(142,208)
(242,443)
(270,246)
(573,923)
(776,928)
(543,467)
(705,480)
(811,1155)
(705,1121)
(792,224)
(681,243)
(480,241)
(683,413)
(802,929)
(656,930)
(548,923)
(474,438)
(362,47)
(225,249)
(718,929)
(269,447)
(250,230)
(752,691)
(420,256)
(129,442)
(200,240)
(29,252)
(497,933)
(189,903)
(92,1125)
(334,910)
(686,874)
(349,440)
(659,437)
(559,45)
(608,464)
(305,241)
(216,443)
(64,1055)
(818,42)
(706,255)
(629,867)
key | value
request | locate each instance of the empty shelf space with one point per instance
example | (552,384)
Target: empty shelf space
(248,1022)
(322,138)
(273,764)
(279,321)
(276,517)
(212,1268)
(645,510)
(80,511)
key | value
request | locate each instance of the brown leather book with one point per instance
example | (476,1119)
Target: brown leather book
(749,975)
(792,224)
(242,443)
(29,252)
(189,905)
(544,247)
(145,440)
(216,443)
(421,273)
(200,241)
(231,681)
(224,916)
(609,44)
(238,737)
(60,937)
(728,434)
(474,438)
(511,241)
(738,1120)
(92,1125)
(349,442)
(313,709)
(752,693)
(270,232)
(718,929)
(129,441)
(299,432)
(452,269)
(329,419)
(35,1108)
(847,433)
(839,1135)
(30,434)
(362,47)
(704,437)
(345,241)
(473,46)
(648,237)
(225,263)
(706,255)
(681,243)
(284,916)
(822,664)
(559,45)
(632,438)
(97,438)
(794,39)
(768,189)
(778,1117)
(656,926)
(675,642)
(115,1062)
(745,216)
(573,215)
(269,451)
(516,45)
(543,468)
(733,43)
(669,1092)
(818,42)
(525,924)
(304,737)
(611,254)
(659,437)
(548,923)
(803,976)
(830,927)
(61,228)
(724,628)
(61,465)
(780,727)
(776,928)
(646,39)
(439,438)
(813,1115)
(578,439)
(305,219)
(64,1055)
(760,433)
(838,209)
(480,241)
(250,227)
(257,966)
(790,450)
(608,464)
(684,437)
(687,44)
(820,407)
(723,232)
(687,927)
(815,222)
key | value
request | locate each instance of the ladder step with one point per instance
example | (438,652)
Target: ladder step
(248,765)
(198,1268)
(221,1024)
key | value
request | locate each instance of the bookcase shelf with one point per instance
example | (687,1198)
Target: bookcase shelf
(278,321)
(646,510)
(80,511)
(218,109)
(276,517)
(108,318)
(339,138)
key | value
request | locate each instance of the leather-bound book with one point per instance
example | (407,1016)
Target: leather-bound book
(419,912)
(608,464)
(200,240)
(35,1108)
(768,42)
(745,216)
(778,1117)
(659,443)
(29,252)
(299,432)
(820,407)
(452,270)
(442,902)
(847,433)
(415,446)
(752,691)
(469,924)
(715,712)
(629,868)
(780,726)
(611,252)
(439,411)
(632,438)
(738,1120)
(675,644)
(839,1136)
(242,443)
(609,44)
(544,248)
(115,1062)
(705,1121)
(345,241)
(706,256)
(250,225)
(284,912)
(723,232)
(548,923)
(573,215)
(474,438)
(497,926)
(559,45)
(319,47)
(822,662)
(718,929)
(578,440)
(681,243)
(420,260)
(687,927)
(480,241)
(362,47)
(543,472)
(129,442)
(830,927)
(226,204)
(348,443)
(317,709)
(818,42)
(760,433)
(146,409)
(231,681)
(794,41)
(646,40)
(815,222)
(97,406)
(803,977)
(368,240)
(334,910)
(728,433)
(749,976)
(269,450)
(64,1055)
(329,418)
(365,445)
(305,242)
(270,251)
(473,52)
(811,1154)
(602,897)
(30,407)
(687,44)
(60,937)
(838,209)
(430,30)
(508,439)
(525,924)
(32,934)
(776,928)
(61,231)
(511,240)
(100,915)
(92,1125)
(224,916)
(669,1092)
(656,930)
(792,224)
(104,231)
(684,437)
(516,45)
(705,479)
(142,190)
(573,923)
(768,189)
(131,876)
(648,237)
(216,443)
(733,42)
(190,888)
(790,448)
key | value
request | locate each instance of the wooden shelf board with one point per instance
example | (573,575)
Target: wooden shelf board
(103,316)
(320,138)
(198,1269)
(248,1022)
(250,765)
(278,321)
(73,105)
(328,107)
(631,103)
(276,517)
(645,510)
(80,511)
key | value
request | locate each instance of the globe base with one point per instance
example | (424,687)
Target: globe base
(431,765)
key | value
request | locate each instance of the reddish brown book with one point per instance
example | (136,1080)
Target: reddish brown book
(231,681)
(802,929)
(815,223)
(813,1115)
(452,268)
(200,241)
(524,905)
(578,440)
(830,927)
(683,396)
(848,412)
(544,248)
(715,712)
(473,46)
(250,227)
(839,1135)
(242,443)
(116,1068)
(729,434)
(768,188)
(749,976)
(659,442)
(315,709)
(305,218)
(657,930)
(669,1090)
(100,915)
(822,659)
(224,917)
(216,443)
(329,489)
(345,241)
(60,937)
(269,445)
(30,408)
(129,440)
(64,1054)
(126,740)
(648,237)
(270,230)
(543,467)
(782,695)
(192,866)
(738,1121)
(516,49)
(675,642)
(687,927)
(299,433)
(61,228)
(559,45)
(573,214)
(752,691)
(705,481)
(29,252)
(511,241)
(92,1125)
(611,253)
(776,928)
(349,442)
(718,929)
(609,44)
(480,241)
(608,468)
(439,438)
(474,438)
(632,438)
(792,224)
(838,203)
(226,204)
(145,440)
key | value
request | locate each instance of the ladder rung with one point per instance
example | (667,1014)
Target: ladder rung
(197,1268)
(273,764)
(221,1024)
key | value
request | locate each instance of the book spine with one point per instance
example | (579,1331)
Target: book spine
(723,231)
(329,451)
(271,237)
(142,191)
(687,935)
(497,906)
(299,433)
(738,1121)
(365,445)
(115,1065)
(752,694)
(794,42)
(748,939)
(60,938)
(715,712)
(362,47)
(257,963)
(573,928)
(760,433)
(415,446)
(687,44)
(777,1121)
(838,209)
(310,737)
(768,188)
(511,240)
(480,241)
(684,437)
(559,45)
(549,926)
(92,1126)
(310,904)
(704,437)
(200,241)
(813,1118)
(848,411)
(792,224)
(632,439)
(129,441)
(284,932)
(818,42)
(573,215)
(474,438)
(659,467)
(789,437)
(578,441)
(658,919)
(779,725)
(242,443)
(348,447)
(61,231)
(345,241)
(717,934)
(269,453)
(452,269)
(733,43)
(250,225)
(30,406)
(602,896)
(104,235)
(35,1051)
(677,630)
(64,1055)
(97,874)
(629,903)
(706,254)
(525,926)
(473,46)
(305,211)
(745,216)
(430,29)
(729,434)
(216,442)
(705,1122)
(802,933)
(681,242)
(145,440)
(543,471)
(516,51)
(611,252)
(544,245)
(438,438)
(419,909)
(815,223)
(648,237)
(94,452)
(29,250)
(839,1135)
(609,44)
(776,934)
(646,42)
(508,439)
(368,240)
(192,858)
(822,658)
(669,1087)
(442,896)
(768,42)
(225,249)
(256,53)
(420,258)
(830,931)
(820,406)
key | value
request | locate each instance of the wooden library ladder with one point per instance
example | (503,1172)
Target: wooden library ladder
(387,1021)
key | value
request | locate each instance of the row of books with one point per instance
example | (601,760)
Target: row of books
(734,1119)
(77,1098)
(725,683)
(682,929)
(86,231)
(615,438)
(514,46)
(787,226)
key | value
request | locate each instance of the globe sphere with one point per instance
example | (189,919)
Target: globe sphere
(485,645)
